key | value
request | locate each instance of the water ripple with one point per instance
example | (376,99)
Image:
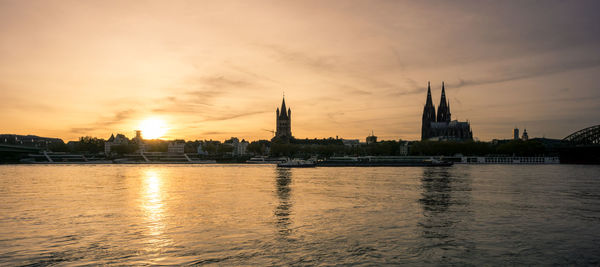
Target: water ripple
(263,215)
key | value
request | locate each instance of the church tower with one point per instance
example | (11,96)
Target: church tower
(444,108)
(428,115)
(284,122)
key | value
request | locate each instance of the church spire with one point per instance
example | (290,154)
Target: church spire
(283,123)
(283,104)
(428,114)
(284,110)
(443,111)
(443,101)
(428,102)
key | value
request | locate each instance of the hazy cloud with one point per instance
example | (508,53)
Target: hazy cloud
(310,60)
(104,122)
(222,82)
(199,93)
(82,130)
(412,91)
(360,92)
(536,71)
(233,116)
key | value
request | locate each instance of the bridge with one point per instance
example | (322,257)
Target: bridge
(13,153)
(587,136)
(6,148)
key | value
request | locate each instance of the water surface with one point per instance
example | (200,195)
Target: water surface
(263,215)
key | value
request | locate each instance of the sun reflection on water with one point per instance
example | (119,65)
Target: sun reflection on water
(152,204)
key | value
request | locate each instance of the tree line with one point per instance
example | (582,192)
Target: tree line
(322,147)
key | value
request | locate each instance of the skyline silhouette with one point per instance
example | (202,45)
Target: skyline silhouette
(214,70)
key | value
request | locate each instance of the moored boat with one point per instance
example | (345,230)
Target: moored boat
(264,160)
(371,161)
(297,163)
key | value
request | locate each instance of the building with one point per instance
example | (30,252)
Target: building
(201,151)
(239,148)
(29,140)
(350,142)
(516,134)
(176,147)
(284,124)
(138,136)
(525,135)
(403,148)
(371,139)
(442,127)
(139,141)
(120,139)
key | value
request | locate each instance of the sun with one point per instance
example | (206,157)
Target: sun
(153,128)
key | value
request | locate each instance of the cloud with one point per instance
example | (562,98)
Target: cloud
(21,103)
(537,71)
(347,89)
(577,99)
(221,82)
(204,95)
(359,92)
(119,117)
(196,104)
(82,130)
(199,93)
(318,63)
(233,116)
(212,86)
(218,133)
(412,91)
(103,123)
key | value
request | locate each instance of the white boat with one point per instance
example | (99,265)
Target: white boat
(297,163)
(264,160)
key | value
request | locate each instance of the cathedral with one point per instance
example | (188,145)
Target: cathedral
(442,127)
(284,123)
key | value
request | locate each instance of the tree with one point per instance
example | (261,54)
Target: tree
(90,144)
(58,147)
(123,148)
(256,148)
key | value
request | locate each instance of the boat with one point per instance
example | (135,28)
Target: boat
(264,160)
(371,161)
(297,163)
(437,162)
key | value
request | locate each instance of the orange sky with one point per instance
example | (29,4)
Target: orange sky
(216,69)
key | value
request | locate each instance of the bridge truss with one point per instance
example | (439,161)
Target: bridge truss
(587,136)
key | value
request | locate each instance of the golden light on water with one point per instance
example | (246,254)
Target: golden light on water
(153,128)
(152,202)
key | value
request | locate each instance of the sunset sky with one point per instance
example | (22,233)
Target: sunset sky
(217,69)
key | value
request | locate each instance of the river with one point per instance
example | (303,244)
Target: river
(263,215)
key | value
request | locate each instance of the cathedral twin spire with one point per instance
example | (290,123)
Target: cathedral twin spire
(443,114)
(429,115)
(439,127)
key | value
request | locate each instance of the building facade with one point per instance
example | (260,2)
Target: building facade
(442,127)
(176,147)
(120,139)
(239,148)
